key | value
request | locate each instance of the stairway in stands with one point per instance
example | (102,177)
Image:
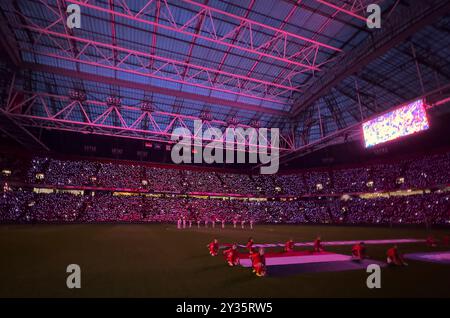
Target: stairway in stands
(83,209)
(222,183)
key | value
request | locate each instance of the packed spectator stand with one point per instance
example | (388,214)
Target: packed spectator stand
(97,191)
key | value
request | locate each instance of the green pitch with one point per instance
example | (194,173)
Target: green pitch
(161,261)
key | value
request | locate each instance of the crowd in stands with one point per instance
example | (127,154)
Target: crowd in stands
(119,176)
(237,183)
(200,181)
(163,180)
(431,169)
(52,207)
(70,172)
(310,196)
(26,206)
(13,204)
(418,173)
(350,180)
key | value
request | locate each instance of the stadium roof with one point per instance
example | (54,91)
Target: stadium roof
(309,67)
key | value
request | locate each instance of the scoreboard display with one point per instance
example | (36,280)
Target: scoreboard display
(403,121)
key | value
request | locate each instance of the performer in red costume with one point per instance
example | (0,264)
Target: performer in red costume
(359,252)
(213,247)
(394,257)
(446,240)
(249,245)
(231,255)
(259,263)
(289,246)
(318,245)
(253,255)
(431,241)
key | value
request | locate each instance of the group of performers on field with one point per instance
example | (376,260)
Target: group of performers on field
(257,257)
(232,256)
(393,257)
(358,253)
(431,241)
(183,223)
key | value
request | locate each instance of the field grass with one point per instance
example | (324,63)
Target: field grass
(160,261)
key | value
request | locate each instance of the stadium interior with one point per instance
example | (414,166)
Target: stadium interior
(93,92)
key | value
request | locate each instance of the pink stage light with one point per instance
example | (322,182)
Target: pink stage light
(403,121)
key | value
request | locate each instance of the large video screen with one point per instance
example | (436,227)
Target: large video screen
(403,121)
